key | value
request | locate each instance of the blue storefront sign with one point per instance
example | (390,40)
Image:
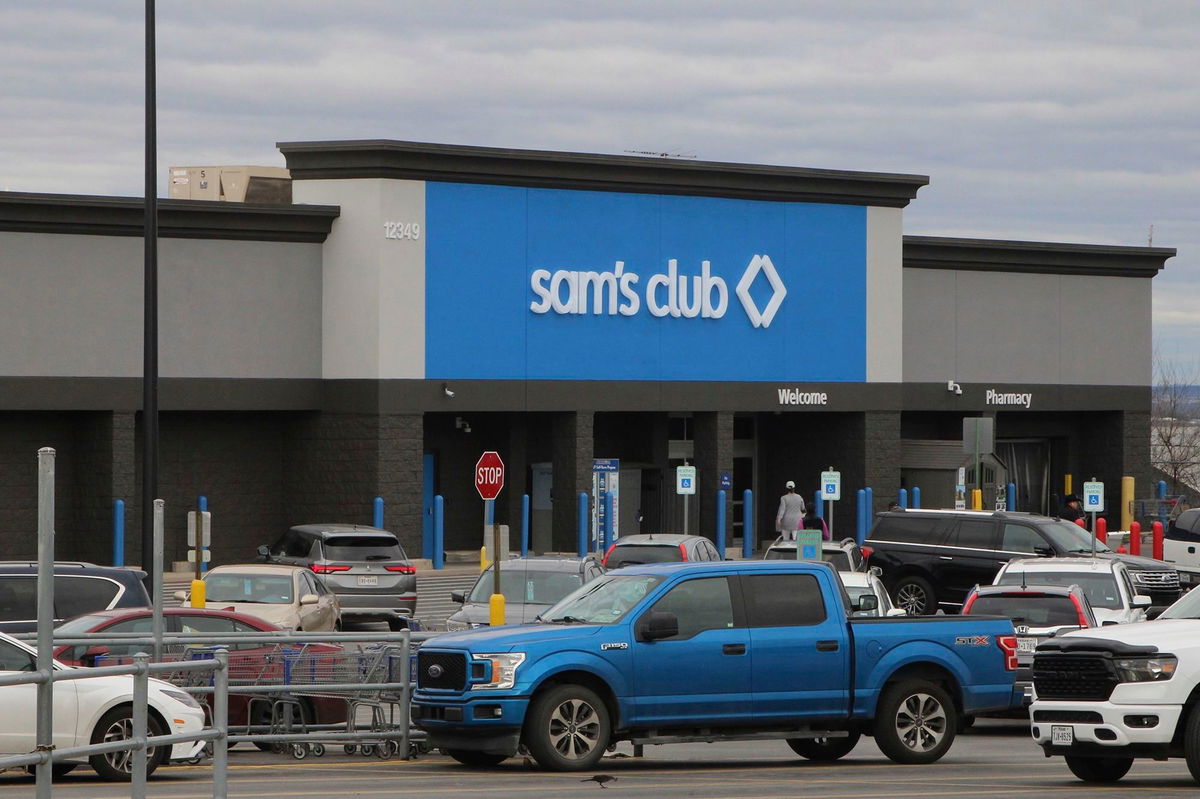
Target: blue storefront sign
(552,284)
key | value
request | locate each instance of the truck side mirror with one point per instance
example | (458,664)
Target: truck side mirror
(1141,601)
(867,603)
(458,596)
(657,624)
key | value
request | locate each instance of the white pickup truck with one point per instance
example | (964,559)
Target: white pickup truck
(1105,697)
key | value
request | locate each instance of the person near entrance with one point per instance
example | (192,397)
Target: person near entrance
(791,513)
(1072,509)
(814,522)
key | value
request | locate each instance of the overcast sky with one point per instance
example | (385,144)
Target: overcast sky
(1044,121)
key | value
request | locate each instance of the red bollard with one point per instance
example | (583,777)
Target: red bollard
(1102,529)
(1135,538)
(1081,523)
(1157,532)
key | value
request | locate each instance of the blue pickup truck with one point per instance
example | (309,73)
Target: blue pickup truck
(668,653)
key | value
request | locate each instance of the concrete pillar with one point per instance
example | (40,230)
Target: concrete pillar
(574,445)
(713,439)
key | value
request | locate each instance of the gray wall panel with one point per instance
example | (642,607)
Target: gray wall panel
(72,306)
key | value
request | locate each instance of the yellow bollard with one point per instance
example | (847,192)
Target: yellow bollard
(483,561)
(976,499)
(198,596)
(1067,485)
(1127,495)
(496,610)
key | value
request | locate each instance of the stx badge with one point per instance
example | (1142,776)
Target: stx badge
(972,640)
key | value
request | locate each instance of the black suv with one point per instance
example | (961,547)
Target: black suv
(78,588)
(932,558)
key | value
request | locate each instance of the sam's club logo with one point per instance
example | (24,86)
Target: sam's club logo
(617,293)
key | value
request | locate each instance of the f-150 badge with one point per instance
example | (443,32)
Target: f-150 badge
(619,645)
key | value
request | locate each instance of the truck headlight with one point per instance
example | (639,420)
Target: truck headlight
(1152,669)
(504,669)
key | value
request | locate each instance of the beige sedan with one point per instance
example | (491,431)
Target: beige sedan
(289,596)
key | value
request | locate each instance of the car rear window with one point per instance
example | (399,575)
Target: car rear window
(638,553)
(522,586)
(839,560)
(363,547)
(73,596)
(1030,610)
(911,529)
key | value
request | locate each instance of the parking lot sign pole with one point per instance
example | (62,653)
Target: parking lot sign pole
(157,572)
(45,633)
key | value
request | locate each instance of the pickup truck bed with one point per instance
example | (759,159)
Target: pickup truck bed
(711,651)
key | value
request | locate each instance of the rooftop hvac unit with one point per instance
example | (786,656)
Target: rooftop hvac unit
(271,185)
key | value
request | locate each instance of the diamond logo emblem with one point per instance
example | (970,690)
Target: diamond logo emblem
(763,318)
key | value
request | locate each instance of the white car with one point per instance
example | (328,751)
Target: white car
(289,596)
(1106,583)
(859,583)
(93,711)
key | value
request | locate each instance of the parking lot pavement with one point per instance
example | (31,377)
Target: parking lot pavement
(995,760)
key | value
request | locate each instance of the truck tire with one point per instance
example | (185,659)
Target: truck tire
(470,758)
(567,728)
(1191,742)
(1100,769)
(915,722)
(824,750)
(915,595)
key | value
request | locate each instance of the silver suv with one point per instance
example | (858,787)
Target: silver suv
(364,566)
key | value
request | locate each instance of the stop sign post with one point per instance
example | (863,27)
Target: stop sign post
(489,480)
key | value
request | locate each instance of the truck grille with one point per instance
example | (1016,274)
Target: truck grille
(441,670)
(1068,676)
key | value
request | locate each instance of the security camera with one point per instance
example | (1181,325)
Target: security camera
(447,391)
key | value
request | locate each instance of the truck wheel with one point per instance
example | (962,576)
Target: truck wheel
(1191,742)
(471,758)
(1099,769)
(914,594)
(915,722)
(824,750)
(567,728)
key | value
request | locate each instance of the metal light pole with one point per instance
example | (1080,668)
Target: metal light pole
(150,320)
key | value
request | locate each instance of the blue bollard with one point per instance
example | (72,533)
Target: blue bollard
(1162,489)
(916,497)
(524,525)
(819,504)
(582,544)
(119,532)
(608,521)
(860,523)
(377,513)
(439,531)
(720,537)
(902,498)
(869,518)
(747,524)
(1010,497)
(202,504)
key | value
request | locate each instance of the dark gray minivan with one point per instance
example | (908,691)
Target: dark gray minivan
(364,566)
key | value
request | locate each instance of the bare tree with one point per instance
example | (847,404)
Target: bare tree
(1175,424)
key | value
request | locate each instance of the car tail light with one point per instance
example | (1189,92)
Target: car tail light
(1008,645)
(1083,621)
(404,569)
(967,605)
(867,552)
(604,561)
(326,568)
(683,552)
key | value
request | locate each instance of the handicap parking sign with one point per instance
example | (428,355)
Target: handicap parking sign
(1093,497)
(809,553)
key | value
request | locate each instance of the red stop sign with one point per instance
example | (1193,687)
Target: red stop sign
(489,475)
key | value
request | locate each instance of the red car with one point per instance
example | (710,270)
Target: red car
(248,662)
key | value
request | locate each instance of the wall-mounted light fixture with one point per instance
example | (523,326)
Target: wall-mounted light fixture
(449,392)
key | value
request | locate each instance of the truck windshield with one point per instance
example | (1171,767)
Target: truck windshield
(1100,587)
(1186,608)
(603,601)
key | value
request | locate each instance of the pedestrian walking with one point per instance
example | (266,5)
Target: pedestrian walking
(814,522)
(791,513)
(1071,509)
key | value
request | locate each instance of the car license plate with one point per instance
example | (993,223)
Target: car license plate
(1062,735)
(1026,644)
(368,580)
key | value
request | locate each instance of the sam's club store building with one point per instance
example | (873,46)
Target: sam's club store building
(414,305)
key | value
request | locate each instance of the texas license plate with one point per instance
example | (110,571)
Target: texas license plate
(1026,644)
(1062,735)
(368,580)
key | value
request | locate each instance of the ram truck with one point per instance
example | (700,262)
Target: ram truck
(1104,697)
(684,652)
